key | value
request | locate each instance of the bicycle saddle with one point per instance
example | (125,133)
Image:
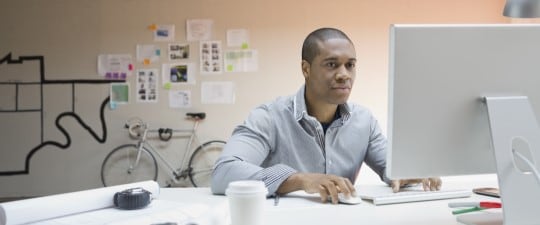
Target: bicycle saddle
(200,115)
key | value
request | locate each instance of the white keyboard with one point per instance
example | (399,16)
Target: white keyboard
(381,195)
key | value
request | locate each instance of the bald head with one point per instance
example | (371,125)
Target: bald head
(310,48)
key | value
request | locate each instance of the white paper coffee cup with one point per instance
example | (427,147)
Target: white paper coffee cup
(246,202)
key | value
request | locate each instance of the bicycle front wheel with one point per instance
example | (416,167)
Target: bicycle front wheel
(119,166)
(202,161)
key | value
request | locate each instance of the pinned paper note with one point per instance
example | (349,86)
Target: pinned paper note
(119,93)
(147,54)
(217,92)
(111,66)
(164,33)
(178,73)
(241,60)
(147,83)
(211,57)
(178,51)
(237,38)
(180,99)
(152,27)
(199,29)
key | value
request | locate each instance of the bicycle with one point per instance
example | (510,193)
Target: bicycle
(137,162)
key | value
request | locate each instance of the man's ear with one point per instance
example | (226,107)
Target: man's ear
(305,68)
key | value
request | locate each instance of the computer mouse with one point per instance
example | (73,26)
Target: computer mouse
(353,200)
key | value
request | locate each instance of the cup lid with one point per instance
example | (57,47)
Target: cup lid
(246,187)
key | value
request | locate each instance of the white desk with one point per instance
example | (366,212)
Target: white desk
(298,208)
(308,211)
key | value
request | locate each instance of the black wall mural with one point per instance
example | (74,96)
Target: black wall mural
(69,114)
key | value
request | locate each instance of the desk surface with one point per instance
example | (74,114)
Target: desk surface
(293,209)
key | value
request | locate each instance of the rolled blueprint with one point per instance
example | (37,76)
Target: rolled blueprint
(42,208)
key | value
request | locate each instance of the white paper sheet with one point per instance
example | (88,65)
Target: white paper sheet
(217,92)
(199,29)
(42,208)
(180,99)
(115,66)
(241,60)
(238,38)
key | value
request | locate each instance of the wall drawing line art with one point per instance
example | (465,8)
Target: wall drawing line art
(17,85)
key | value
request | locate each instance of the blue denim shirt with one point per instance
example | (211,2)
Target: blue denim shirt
(280,138)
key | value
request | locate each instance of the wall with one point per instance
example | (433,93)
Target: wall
(70,34)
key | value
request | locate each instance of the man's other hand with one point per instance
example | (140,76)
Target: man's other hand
(429,184)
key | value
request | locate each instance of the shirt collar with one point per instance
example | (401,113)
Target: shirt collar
(300,108)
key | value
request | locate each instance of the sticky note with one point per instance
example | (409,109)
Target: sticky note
(158,52)
(152,27)
(146,62)
(230,68)
(130,67)
(112,105)
(245,45)
(167,86)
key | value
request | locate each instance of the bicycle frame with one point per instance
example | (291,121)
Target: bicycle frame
(174,173)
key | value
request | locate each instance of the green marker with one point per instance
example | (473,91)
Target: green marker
(473,209)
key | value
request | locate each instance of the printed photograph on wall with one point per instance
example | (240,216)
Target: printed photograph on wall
(211,57)
(178,73)
(178,51)
(119,93)
(147,80)
(164,32)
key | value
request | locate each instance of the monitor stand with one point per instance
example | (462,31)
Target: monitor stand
(513,127)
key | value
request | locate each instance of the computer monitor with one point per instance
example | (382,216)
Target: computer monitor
(438,122)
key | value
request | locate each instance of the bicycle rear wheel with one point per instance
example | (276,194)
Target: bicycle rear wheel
(201,162)
(119,166)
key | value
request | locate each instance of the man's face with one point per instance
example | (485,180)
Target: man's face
(330,77)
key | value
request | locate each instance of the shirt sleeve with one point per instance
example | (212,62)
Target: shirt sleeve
(244,153)
(376,152)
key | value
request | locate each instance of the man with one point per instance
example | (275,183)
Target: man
(315,140)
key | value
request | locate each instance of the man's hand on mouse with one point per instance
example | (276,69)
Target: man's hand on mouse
(429,184)
(327,185)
